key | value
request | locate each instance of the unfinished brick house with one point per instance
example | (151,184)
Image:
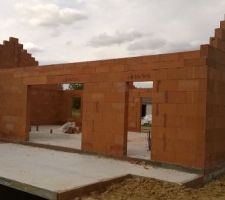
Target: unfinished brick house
(188,98)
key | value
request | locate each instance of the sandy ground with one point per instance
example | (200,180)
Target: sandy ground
(150,189)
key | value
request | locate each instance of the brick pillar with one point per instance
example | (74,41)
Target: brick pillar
(13,109)
(105,118)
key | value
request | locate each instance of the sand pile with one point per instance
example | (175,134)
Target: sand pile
(150,189)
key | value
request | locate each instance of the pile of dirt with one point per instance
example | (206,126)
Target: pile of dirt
(150,189)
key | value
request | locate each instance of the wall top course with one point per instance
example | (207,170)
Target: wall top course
(140,68)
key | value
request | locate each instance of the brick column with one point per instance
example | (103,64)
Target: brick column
(13,109)
(105,118)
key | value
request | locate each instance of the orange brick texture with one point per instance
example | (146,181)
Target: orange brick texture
(104,118)
(49,104)
(215,126)
(188,102)
(13,93)
(13,108)
(12,54)
(179,99)
(46,105)
(179,102)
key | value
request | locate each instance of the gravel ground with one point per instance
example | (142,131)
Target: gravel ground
(150,189)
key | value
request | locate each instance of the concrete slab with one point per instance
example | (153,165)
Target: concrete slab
(57,171)
(57,138)
(137,146)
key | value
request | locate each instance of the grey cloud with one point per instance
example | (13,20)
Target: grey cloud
(118,38)
(183,46)
(56,32)
(69,42)
(161,45)
(50,14)
(147,44)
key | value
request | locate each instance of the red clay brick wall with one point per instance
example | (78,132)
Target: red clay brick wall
(215,142)
(105,118)
(46,105)
(215,128)
(13,108)
(179,111)
(179,102)
(12,54)
(51,105)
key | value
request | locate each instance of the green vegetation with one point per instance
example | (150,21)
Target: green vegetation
(76,105)
(76,86)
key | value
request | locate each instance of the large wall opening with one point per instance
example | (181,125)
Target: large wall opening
(139,120)
(55,114)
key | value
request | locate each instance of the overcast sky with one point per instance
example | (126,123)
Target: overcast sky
(58,31)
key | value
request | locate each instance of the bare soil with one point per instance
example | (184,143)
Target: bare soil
(150,189)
